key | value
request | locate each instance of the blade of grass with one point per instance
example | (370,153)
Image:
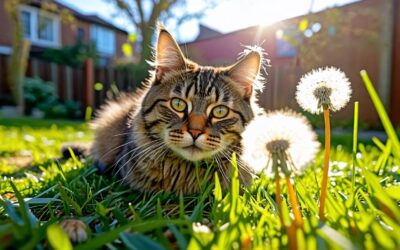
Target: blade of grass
(355,137)
(141,227)
(58,239)
(69,201)
(382,113)
(354,154)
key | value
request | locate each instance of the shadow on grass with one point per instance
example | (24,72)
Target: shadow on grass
(39,123)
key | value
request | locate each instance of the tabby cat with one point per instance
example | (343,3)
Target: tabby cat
(186,117)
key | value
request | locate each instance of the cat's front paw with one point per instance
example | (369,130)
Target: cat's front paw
(76,230)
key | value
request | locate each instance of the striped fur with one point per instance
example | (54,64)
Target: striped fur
(153,146)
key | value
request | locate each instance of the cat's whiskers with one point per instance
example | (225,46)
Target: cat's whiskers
(124,144)
(160,148)
(144,154)
(148,146)
(228,155)
(134,132)
(133,166)
(117,147)
(220,166)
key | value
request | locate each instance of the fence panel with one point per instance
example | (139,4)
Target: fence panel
(68,81)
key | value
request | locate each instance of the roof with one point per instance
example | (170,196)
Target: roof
(88,18)
(206,33)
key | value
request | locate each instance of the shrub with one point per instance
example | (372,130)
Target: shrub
(37,92)
(42,95)
(57,109)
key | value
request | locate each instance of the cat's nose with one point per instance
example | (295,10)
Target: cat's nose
(195,133)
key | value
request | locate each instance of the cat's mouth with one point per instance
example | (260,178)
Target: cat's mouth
(193,153)
(193,148)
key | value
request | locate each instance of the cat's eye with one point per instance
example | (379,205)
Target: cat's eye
(220,111)
(178,104)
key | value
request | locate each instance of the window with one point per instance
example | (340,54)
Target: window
(45,28)
(26,22)
(80,35)
(104,39)
(41,27)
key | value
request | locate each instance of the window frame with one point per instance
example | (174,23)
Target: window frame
(34,24)
(94,31)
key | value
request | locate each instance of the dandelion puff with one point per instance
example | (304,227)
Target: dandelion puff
(281,139)
(327,87)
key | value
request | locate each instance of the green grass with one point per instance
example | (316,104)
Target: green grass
(36,196)
(52,190)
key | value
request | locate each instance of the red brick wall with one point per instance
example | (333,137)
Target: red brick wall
(69,32)
(5,30)
(120,39)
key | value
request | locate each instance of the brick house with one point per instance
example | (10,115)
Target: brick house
(360,35)
(45,30)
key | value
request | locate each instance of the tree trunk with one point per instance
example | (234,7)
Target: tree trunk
(147,35)
(19,57)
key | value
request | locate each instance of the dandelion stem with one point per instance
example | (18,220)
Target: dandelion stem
(324,185)
(278,196)
(292,236)
(298,221)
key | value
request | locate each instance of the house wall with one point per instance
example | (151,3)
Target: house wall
(5,30)
(121,38)
(69,34)
(395,90)
(355,45)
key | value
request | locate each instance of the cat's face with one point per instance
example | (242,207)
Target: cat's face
(198,111)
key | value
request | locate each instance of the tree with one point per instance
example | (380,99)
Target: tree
(21,46)
(20,52)
(144,15)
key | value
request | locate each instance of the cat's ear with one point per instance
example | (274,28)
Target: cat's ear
(169,56)
(245,72)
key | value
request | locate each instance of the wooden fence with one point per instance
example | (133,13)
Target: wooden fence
(71,83)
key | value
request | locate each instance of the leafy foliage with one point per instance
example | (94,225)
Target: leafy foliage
(38,92)
(72,55)
(43,95)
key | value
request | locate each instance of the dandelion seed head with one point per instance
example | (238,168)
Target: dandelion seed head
(278,145)
(278,132)
(323,87)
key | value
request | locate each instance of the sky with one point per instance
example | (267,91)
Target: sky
(227,16)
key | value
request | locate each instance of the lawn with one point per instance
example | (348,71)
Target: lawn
(38,190)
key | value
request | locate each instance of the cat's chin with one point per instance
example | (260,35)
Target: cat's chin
(193,153)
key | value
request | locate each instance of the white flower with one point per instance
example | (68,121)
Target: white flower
(324,86)
(281,139)
(199,228)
